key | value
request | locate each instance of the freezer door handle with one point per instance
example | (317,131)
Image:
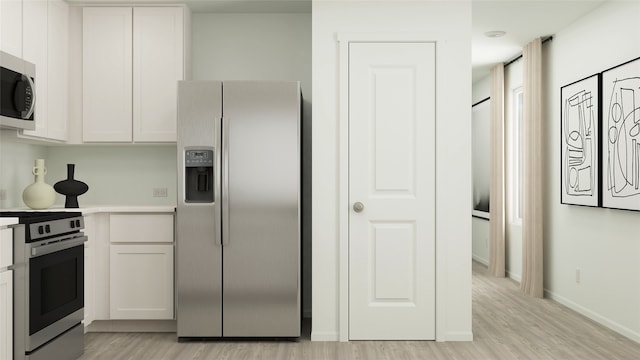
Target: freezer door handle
(217,181)
(225,181)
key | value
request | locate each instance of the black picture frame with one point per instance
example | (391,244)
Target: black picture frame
(580,162)
(480,143)
(621,136)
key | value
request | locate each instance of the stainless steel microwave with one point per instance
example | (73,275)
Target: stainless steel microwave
(17,93)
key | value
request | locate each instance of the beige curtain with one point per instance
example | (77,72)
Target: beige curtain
(496,188)
(532,177)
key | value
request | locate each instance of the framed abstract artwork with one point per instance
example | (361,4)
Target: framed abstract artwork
(580,124)
(621,136)
(480,118)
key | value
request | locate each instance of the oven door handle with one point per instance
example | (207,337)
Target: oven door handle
(57,246)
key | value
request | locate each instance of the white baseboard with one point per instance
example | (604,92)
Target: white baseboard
(482,261)
(459,336)
(514,276)
(623,330)
(132,326)
(324,336)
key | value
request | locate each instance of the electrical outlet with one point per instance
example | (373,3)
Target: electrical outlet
(160,192)
(577,276)
(3,194)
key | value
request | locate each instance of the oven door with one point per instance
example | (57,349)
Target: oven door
(56,289)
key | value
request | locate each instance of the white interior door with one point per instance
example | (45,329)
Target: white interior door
(392,174)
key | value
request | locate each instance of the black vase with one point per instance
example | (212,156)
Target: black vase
(71,188)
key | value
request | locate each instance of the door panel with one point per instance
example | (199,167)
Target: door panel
(393,263)
(261,234)
(198,235)
(392,172)
(394,146)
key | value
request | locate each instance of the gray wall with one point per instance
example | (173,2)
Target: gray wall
(116,174)
(16,162)
(448,23)
(602,243)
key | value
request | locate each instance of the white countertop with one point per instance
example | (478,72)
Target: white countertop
(6,221)
(123,209)
(93,209)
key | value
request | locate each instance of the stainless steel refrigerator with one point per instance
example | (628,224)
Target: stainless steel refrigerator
(238,211)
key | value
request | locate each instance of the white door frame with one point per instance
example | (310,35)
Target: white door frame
(344,39)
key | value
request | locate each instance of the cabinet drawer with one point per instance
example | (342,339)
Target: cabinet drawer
(141,228)
(6,248)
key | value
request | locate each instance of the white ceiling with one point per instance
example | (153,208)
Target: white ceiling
(523,20)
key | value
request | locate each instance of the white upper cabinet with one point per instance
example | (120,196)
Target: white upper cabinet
(58,69)
(45,43)
(34,50)
(106,75)
(132,60)
(11,27)
(158,64)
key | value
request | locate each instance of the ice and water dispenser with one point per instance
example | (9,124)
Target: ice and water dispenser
(199,174)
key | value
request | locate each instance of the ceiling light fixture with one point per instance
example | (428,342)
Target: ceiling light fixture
(495,33)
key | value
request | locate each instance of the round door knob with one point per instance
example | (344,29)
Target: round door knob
(358,207)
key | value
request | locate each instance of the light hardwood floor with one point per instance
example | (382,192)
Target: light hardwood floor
(506,325)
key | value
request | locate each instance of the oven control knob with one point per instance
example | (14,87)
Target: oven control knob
(73,224)
(77,223)
(47,229)
(40,229)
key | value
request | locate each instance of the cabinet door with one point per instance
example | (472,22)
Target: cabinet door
(6,248)
(106,74)
(11,27)
(158,64)
(34,50)
(6,315)
(141,282)
(101,248)
(45,36)
(58,61)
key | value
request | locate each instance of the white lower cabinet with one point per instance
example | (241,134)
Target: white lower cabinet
(141,281)
(6,315)
(129,265)
(141,266)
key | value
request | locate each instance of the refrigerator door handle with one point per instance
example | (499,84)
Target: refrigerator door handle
(217,181)
(225,181)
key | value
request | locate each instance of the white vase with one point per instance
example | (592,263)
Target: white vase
(39,195)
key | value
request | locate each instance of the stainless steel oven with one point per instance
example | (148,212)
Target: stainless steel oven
(49,285)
